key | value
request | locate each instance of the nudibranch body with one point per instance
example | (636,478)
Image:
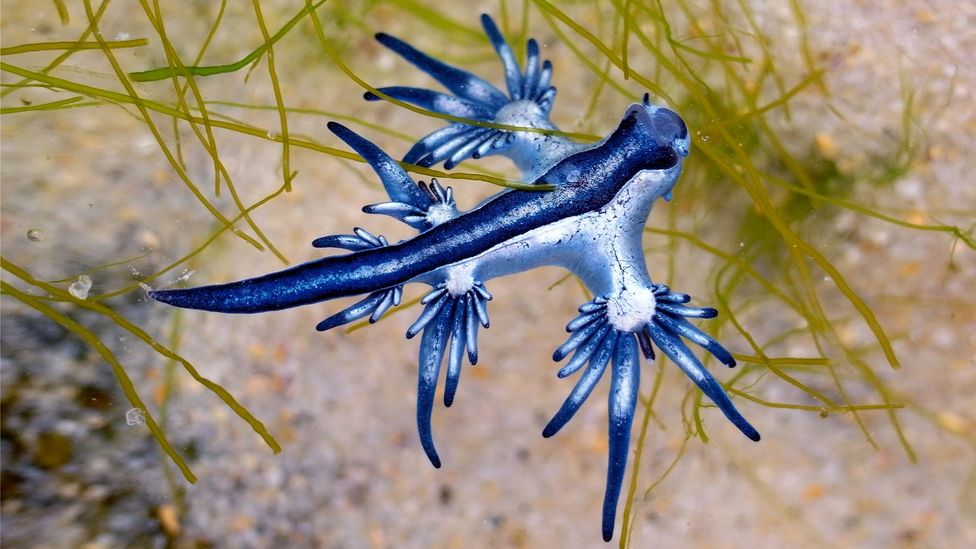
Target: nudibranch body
(591,223)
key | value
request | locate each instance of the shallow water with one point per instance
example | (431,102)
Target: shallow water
(110,206)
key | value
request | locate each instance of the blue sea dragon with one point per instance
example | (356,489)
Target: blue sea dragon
(591,223)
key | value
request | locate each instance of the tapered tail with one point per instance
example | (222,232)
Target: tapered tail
(319,280)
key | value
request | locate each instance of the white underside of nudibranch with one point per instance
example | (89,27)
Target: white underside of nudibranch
(603,248)
(631,309)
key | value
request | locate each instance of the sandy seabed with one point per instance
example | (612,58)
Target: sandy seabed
(352,474)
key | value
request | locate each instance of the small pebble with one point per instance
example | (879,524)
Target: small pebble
(168,519)
(825,144)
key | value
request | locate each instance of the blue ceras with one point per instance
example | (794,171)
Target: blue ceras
(591,224)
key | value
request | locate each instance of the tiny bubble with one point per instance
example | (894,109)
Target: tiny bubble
(271,134)
(827,278)
(80,287)
(742,244)
(35,235)
(122,36)
(145,286)
(135,416)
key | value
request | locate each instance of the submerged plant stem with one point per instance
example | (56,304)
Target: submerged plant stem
(128,389)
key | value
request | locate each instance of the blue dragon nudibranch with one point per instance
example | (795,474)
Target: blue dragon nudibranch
(591,223)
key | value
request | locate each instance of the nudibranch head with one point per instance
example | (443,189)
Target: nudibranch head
(665,124)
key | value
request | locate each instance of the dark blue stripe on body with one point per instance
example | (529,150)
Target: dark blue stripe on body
(597,176)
